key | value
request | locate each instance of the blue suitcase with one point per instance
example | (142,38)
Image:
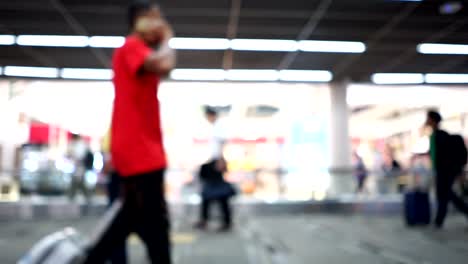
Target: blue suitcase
(417,208)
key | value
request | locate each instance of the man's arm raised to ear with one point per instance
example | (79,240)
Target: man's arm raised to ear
(162,60)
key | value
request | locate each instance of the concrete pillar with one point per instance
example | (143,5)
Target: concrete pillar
(340,138)
(4,95)
(342,181)
(11,134)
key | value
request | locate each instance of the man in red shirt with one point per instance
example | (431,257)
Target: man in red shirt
(136,140)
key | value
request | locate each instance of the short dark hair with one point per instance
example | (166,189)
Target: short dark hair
(136,8)
(210,111)
(435,116)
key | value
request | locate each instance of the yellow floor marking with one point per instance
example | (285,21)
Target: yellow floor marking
(177,238)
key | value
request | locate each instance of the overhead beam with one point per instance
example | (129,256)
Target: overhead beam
(374,40)
(402,35)
(100,8)
(323,31)
(29,51)
(306,32)
(411,51)
(449,65)
(80,30)
(232,28)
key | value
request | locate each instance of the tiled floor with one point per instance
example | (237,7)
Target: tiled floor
(313,238)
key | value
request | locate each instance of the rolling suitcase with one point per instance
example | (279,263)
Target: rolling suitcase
(68,246)
(65,247)
(417,208)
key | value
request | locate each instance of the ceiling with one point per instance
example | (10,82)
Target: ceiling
(391,30)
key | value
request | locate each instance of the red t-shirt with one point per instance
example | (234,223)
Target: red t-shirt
(136,139)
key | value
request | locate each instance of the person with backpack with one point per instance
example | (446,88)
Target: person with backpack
(449,156)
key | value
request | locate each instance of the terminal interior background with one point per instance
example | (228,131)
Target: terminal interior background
(278,134)
(300,85)
(284,133)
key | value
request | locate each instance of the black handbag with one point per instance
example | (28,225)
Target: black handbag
(218,190)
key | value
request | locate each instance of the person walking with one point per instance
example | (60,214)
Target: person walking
(136,139)
(78,152)
(446,170)
(114,192)
(360,172)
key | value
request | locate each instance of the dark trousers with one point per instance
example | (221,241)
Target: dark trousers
(225,210)
(361,183)
(114,186)
(445,194)
(144,211)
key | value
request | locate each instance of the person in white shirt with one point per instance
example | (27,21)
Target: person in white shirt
(214,187)
(218,138)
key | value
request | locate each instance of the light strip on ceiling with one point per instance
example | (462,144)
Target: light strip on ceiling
(252,75)
(446,78)
(106,41)
(451,49)
(397,78)
(52,41)
(198,75)
(33,72)
(280,45)
(305,76)
(7,40)
(199,43)
(86,74)
(264,45)
(332,46)
(176,74)
(1,70)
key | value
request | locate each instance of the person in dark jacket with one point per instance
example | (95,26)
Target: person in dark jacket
(445,171)
(360,172)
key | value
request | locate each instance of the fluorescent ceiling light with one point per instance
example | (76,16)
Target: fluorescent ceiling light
(252,75)
(280,45)
(198,75)
(35,72)
(199,43)
(1,70)
(86,74)
(106,41)
(446,78)
(7,39)
(52,41)
(397,78)
(264,45)
(433,48)
(332,46)
(305,76)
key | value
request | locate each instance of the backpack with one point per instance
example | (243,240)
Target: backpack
(88,161)
(459,151)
